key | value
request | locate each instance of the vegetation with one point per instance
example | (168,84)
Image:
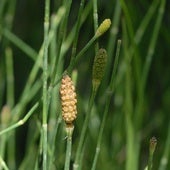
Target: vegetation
(116,55)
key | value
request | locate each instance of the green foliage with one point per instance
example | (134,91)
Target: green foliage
(116,120)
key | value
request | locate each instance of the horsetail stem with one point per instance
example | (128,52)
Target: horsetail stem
(152,146)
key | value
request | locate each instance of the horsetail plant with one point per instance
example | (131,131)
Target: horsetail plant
(31,132)
(152,146)
(103,27)
(69,112)
(108,100)
(97,75)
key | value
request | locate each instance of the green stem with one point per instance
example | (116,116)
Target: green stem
(10,77)
(76,59)
(112,41)
(20,44)
(148,61)
(70,38)
(79,55)
(76,165)
(69,146)
(45,76)
(95,19)
(110,92)
(62,33)
(131,162)
(153,41)
(20,122)
(78,24)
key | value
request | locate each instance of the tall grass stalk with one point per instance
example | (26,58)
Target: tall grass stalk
(75,41)
(60,38)
(95,20)
(45,76)
(20,44)
(110,92)
(20,122)
(69,131)
(112,39)
(76,165)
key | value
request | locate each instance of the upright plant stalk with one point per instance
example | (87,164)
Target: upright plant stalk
(111,90)
(95,19)
(97,75)
(10,10)
(148,59)
(10,78)
(53,95)
(68,148)
(20,44)
(5,117)
(79,55)
(104,26)
(112,40)
(76,165)
(78,24)
(152,146)
(45,72)
(131,163)
(141,29)
(20,122)
(32,76)
(6,111)
(70,38)
(153,41)
(61,36)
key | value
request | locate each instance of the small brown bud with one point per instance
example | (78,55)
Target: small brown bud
(68,100)
(153,143)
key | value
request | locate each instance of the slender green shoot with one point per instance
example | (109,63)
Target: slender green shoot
(45,76)
(95,19)
(112,41)
(20,122)
(80,54)
(76,165)
(153,41)
(60,38)
(152,147)
(77,29)
(10,77)
(110,92)
(69,130)
(20,44)
(150,53)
